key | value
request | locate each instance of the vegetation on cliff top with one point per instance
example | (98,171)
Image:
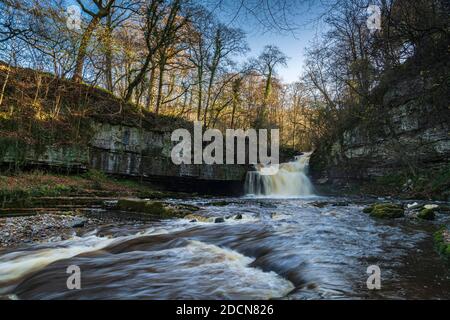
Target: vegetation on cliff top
(39,105)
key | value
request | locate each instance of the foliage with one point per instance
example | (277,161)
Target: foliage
(442,243)
(20,188)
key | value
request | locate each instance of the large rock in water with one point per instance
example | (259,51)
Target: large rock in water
(426,214)
(385,211)
(155,208)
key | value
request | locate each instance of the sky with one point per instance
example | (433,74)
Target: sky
(293,44)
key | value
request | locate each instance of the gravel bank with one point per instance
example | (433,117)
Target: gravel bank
(41,228)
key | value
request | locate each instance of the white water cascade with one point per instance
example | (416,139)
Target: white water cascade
(291,180)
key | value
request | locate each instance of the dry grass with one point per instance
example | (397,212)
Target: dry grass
(18,187)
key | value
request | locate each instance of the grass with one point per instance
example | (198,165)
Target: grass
(20,188)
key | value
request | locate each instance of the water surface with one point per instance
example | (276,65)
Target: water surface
(280,249)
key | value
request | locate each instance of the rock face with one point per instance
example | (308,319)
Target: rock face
(128,151)
(414,130)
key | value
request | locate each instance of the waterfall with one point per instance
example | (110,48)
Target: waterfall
(290,180)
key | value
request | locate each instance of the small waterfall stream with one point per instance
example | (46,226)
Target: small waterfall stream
(291,180)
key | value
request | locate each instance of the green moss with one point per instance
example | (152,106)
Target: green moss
(24,197)
(149,207)
(441,244)
(95,175)
(426,214)
(368,209)
(385,211)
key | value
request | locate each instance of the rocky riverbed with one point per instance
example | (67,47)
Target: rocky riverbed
(15,231)
(305,248)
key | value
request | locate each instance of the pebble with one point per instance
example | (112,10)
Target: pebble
(39,228)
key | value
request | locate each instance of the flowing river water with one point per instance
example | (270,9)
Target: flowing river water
(281,242)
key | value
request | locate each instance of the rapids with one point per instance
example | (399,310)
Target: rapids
(280,249)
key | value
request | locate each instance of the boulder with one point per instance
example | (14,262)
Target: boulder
(155,208)
(385,211)
(220,203)
(196,218)
(426,214)
(78,223)
(413,206)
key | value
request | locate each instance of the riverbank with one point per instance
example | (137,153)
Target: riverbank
(16,231)
(426,184)
(39,206)
(37,188)
(316,248)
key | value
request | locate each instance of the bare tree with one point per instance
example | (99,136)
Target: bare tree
(102,9)
(267,62)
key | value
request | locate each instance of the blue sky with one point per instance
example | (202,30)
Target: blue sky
(292,45)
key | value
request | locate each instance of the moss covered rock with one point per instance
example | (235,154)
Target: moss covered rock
(385,211)
(197,218)
(442,243)
(368,209)
(426,214)
(159,209)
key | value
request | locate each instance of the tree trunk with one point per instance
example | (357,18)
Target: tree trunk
(150,87)
(162,66)
(108,53)
(200,94)
(138,78)
(82,51)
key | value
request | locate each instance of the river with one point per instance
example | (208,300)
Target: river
(269,247)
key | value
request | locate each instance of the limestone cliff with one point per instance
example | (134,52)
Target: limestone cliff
(68,126)
(410,132)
